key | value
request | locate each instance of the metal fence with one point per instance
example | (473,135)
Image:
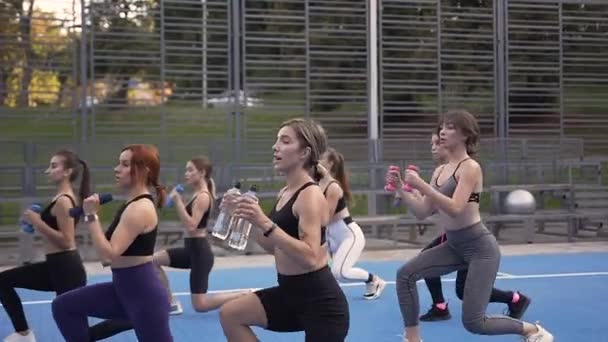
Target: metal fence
(189,74)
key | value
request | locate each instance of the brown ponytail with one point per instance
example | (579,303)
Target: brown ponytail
(84,190)
(161,193)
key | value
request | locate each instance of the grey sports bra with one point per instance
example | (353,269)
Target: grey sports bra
(450,184)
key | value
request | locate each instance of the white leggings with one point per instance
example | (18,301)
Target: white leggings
(346,242)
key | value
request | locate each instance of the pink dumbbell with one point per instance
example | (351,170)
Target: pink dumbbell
(407,187)
(390,186)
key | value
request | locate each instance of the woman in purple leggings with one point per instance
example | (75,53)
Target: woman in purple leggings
(135,293)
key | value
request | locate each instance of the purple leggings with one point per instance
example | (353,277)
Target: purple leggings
(135,294)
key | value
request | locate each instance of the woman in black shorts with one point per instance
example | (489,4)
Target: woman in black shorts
(196,254)
(308,297)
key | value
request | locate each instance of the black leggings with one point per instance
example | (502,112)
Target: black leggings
(60,272)
(311,302)
(197,256)
(436,291)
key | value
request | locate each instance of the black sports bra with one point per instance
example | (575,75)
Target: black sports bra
(341,201)
(285,219)
(449,186)
(143,245)
(203,223)
(48,218)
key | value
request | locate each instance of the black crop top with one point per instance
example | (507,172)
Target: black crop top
(285,219)
(48,218)
(203,223)
(341,201)
(143,245)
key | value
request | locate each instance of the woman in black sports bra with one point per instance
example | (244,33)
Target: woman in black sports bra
(63,269)
(135,293)
(196,254)
(308,297)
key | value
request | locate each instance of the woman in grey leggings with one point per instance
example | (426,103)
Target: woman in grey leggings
(454,191)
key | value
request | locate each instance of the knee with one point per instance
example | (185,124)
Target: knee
(201,304)
(57,307)
(228,313)
(406,275)
(475,325)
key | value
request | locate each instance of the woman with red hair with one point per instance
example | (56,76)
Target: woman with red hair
(135,293)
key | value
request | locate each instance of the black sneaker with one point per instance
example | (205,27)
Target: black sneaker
(517,310)
(436,314)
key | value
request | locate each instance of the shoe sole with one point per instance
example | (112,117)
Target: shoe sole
(437,318)
(377,293)
(523,310)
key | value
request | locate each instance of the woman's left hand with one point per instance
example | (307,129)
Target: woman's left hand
(249,209)
(91,204)
(174,194)
(413,179)
(31,217)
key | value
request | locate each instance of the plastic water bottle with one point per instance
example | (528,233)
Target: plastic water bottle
(180,189)
(241,228)
(25,226)
(221,228)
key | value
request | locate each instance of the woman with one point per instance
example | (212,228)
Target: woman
(517,303)
(308,297)
(345,238)
(62,269)
(196,254)
(455,193)
(135,293)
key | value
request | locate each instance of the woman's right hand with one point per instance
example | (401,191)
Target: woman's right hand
(393,177)
(322,171)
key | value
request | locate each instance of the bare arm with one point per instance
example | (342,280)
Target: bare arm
(470,175)
(310,208)
(201,204)
(333,194)
(263,241)
(421,205)
(266,243)
(138,217)
(63,237)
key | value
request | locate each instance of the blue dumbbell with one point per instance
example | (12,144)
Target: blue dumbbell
(25,226)
(180,189)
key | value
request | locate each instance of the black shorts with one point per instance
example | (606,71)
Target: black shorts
(311,302)
(197,256)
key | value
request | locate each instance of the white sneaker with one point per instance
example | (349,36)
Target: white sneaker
(374,288)
(176,308)
(541,336)
(15,337)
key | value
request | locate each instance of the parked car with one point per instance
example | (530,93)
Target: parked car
(228,98)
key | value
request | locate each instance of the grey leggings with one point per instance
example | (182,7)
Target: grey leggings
(473,247)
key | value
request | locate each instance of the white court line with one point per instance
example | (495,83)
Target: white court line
(505,276)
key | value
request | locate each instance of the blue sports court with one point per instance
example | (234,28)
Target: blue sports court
(567,292)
